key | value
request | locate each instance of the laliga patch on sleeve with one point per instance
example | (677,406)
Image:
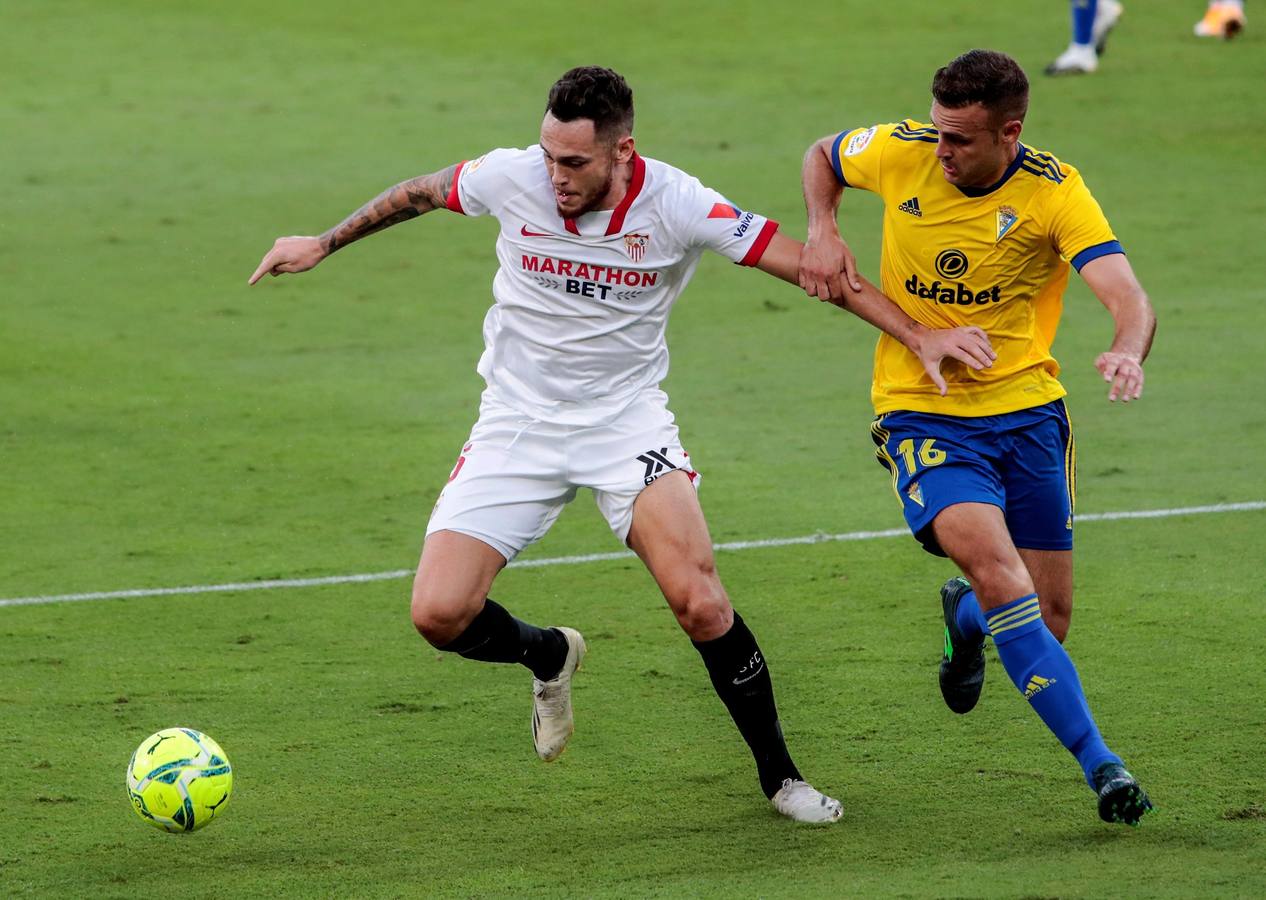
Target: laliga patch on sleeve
(474,164)
(859,142)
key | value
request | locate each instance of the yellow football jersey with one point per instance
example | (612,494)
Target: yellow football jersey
(995,257)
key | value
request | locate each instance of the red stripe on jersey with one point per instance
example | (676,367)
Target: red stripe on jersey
(758,246)
(454,202)
(635,188)
(571,226)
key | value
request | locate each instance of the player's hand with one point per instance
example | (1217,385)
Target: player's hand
(967,344)
(824,265)
(290,254)
(1124,372)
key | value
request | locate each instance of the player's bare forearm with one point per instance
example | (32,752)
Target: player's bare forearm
(1135,325)
(827,267)
(782,260)
(1113,281)
(871,305)
(966,344)
(969,346)
(781,257)
(399,203)
(822,191)
(1133,320)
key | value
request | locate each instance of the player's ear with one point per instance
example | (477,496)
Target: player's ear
(1011,130)
(624,149)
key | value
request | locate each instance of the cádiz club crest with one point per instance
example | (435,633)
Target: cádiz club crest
(1006,218)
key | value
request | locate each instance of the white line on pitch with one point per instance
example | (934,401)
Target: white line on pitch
(590,557)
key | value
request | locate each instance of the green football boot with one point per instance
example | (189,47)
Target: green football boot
(963,662)
(1120,797)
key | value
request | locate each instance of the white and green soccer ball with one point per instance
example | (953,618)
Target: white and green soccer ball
(179,780)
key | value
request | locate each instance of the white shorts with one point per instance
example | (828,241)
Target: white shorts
(515,474)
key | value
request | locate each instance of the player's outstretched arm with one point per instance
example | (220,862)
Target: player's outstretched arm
(399,203)
(968,345)
(827,261)
(1121,365)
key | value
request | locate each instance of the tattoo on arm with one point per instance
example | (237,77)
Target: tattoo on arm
(398,203)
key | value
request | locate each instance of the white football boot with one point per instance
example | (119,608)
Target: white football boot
(1078,59)
(551,702)
(1107,14)
(800,801)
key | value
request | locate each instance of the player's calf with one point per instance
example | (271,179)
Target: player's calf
(496,636)
(741,679)
(1042,671)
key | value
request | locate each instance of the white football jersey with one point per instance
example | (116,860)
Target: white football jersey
(577,329)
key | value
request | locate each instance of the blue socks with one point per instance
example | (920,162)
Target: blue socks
(969,618)
(1083,20)
(1041,670)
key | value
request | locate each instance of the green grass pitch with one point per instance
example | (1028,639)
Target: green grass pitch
(162,425)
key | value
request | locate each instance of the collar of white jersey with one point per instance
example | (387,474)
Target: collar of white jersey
(636,183)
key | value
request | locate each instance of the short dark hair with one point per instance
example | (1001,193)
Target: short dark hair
(597,94)
(992,79)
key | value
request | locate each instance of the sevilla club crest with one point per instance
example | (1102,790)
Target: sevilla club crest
(636,245)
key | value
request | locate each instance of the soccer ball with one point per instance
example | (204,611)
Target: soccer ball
(179,780)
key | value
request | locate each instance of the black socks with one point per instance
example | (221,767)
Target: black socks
(496,636)
(734,662)
(741,679)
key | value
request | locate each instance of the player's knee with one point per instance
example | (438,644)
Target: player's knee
(438,618)
(436,629)
(1058,619)
(701,605)
(998,579)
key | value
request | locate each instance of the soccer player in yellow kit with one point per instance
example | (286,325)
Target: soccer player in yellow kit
(980,229)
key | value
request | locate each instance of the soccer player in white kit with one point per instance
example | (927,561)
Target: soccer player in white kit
(596,243)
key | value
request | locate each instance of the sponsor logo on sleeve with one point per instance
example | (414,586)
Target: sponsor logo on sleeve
(859,142)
